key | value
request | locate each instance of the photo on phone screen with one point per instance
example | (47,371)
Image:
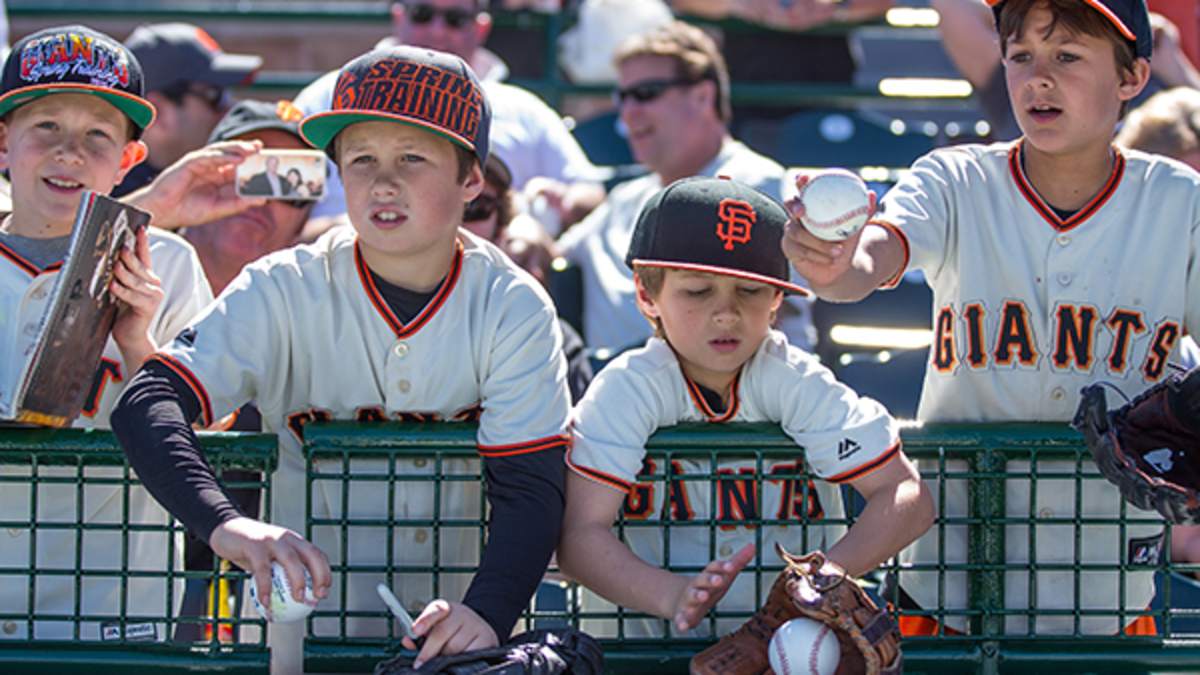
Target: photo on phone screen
(282,174)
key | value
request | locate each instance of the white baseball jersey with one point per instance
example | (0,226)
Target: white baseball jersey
(25,294)
(306,334)
(844,436)
(1029,307)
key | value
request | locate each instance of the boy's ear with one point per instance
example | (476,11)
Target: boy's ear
(778,301)
(1134,81)
(473,185)
(645,301)
(132,154)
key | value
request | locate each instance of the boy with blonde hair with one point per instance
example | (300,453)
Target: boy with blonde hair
(403,316)
(710,276)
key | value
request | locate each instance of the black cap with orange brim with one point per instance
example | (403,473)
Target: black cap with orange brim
(1131,18)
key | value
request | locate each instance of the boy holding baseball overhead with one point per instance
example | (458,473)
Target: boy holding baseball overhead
(1056,261)
(405,315)
(710,275)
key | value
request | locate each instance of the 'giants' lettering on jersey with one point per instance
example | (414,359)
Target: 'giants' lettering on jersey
(1081,335)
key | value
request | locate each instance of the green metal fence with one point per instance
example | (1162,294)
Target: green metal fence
(91,572)
(388,461)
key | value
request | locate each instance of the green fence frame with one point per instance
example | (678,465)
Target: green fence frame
(987,448)
(35,449)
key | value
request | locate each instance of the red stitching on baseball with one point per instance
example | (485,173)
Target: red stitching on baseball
(816,649)
(834,222)
(783,659)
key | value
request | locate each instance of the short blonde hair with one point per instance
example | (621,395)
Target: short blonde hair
(1168,123)
(696,57)
(652,279)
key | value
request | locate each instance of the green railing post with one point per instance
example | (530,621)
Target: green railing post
(985,553)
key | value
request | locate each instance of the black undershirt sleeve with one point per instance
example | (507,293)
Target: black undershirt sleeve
(153,423)
(526,495)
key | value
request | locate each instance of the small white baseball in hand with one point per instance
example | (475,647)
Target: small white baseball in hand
(836,204)
(804,647)
(284,608)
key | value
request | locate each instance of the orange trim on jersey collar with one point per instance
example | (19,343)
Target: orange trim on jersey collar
(401,329)
(26,266)
(189,378)
(1047,212)
(705,409)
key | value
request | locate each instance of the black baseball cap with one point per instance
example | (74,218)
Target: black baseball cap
(713,225)
(250,115)
(75,60)
(1129,17)
(421,87)
(174,53)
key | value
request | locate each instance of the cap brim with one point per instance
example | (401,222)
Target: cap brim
(140,111)
(1107,13)
(713,269)
(319,129)
(229,70)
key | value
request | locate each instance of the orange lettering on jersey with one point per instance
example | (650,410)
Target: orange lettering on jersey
(976,352)
(735,218)
(107,371)
(678,506)
(639,501)
(298,420)
(944,356)
(1074,331)
(370,414)
(1124,323)
(737,498)
(798,499)
(1015,335)
(1160,350)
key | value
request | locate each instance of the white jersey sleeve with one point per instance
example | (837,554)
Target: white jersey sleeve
(844,435)
(921,202)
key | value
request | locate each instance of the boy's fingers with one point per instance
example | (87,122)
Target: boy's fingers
(318,566)
(433,613)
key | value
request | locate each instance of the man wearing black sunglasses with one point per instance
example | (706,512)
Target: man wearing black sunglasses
(188,78)
(673,99)
(524,129)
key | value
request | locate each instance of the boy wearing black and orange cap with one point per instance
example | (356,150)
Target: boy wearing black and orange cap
(710,275)
(404,315)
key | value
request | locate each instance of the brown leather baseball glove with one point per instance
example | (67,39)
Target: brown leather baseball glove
(813,587)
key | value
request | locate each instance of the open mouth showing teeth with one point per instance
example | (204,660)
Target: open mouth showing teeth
(67,184)
(388,216)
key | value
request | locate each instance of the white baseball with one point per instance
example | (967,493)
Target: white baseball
(804,647)
(836,204)
(284,608)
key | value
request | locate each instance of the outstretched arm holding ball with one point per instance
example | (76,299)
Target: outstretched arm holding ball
(839,269)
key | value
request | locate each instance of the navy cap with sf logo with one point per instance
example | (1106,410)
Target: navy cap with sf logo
(75,59)
(713,225)
(420,87)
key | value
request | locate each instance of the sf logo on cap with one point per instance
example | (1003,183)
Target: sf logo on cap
(734,220)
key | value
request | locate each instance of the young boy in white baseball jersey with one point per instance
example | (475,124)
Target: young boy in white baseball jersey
(710,276)
(405,313)
(71,116)
(1056,261)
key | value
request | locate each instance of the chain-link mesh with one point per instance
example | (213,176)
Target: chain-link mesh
(91,572)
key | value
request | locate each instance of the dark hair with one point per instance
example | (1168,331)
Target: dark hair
(1075,17)
(296,171)
(695,54)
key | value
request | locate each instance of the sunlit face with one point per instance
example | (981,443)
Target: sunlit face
(403,195)
(228,244)
(410,26)
(1065,89)
(58,146)
(665,130)
(714,322)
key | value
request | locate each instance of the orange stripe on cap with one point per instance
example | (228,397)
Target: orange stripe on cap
(867,468)
(189,378)
(525,448)
(1099,7)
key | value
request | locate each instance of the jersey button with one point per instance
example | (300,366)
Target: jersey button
(726,550)
(1064,279)
(421,536)
(419,463)
(10,627)
(404,386)
(1063,240)
(400,350)
(1058,393)
(14,532)
(1045,513)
